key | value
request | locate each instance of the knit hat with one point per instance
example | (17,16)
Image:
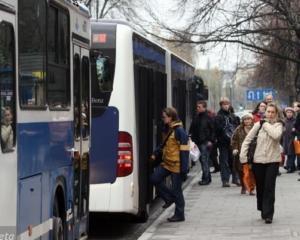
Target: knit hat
(246,116)
(224,100)
(289,109)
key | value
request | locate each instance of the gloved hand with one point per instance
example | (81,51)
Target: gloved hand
(235,152)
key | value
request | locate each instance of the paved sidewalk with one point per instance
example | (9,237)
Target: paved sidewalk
(213,212)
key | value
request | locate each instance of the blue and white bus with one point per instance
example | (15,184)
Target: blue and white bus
(133,79)
(45,119)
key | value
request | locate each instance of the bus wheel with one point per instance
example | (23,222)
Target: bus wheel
(143,215)
(58,227)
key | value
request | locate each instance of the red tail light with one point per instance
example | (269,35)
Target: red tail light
(125,155)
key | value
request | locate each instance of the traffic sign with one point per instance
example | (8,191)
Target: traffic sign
(259,94)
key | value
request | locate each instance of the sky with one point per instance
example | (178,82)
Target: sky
(225,57)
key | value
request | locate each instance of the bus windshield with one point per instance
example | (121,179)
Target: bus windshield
(103,71)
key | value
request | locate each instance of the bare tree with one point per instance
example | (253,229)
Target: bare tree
(114,8)
(252,24)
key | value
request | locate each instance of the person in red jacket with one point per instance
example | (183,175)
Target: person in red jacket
(259,112)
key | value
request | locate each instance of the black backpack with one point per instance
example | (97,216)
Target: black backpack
(228,129)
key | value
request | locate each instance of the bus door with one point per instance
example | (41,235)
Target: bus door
(81,107)
(8,152)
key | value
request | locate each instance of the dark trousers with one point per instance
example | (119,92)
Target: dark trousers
(226,164)
(290,163)
(173,194)
(204,161)
(265,177)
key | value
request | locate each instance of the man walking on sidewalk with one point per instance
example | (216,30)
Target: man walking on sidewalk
(202,133)
(225,124)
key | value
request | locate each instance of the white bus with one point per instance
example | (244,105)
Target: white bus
(44,112)
(133,79)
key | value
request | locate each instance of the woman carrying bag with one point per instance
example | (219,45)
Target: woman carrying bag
(267,157)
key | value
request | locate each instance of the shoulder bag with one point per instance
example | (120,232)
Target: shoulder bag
(158,153)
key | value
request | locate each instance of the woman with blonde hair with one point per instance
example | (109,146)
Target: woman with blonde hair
(267,156)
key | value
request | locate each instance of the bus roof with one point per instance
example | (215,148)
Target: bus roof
(123,22)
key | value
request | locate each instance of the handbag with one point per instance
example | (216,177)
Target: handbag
(158,153)
(297,146)
(252,147)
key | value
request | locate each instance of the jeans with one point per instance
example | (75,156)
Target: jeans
(204,161)
(169,195)
(226,165)
(265,177)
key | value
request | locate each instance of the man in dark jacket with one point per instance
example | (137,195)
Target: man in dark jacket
(202,133)
(225,124)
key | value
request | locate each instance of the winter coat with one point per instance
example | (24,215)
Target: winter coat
(176,150)
(288,137)
(237,140)
(220,124)
(7,137)
(202,129)
(268,143)
(297,125)
(238,137)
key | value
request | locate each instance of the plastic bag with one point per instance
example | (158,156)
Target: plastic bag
(297,146)
(194,152)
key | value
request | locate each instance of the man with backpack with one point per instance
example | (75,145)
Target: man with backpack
(225,124)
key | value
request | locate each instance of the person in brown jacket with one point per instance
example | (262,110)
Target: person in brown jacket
(239,135)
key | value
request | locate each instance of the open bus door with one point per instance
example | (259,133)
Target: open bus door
(81,107)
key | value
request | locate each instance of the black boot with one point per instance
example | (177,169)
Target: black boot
(176,219)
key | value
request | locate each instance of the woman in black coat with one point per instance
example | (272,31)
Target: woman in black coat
(287,139)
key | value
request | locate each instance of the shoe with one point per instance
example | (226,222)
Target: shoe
(226,184)
(215,171)
(279,174)
(252,193)
(262,217)
(289,171)
(203,182)
(243,191)
(176,219)
(268,220)
(167,204)
(299,179)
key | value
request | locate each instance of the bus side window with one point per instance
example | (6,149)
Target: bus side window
(58,79)
(32,54)
(7,87)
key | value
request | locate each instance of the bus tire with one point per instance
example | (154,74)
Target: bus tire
(58,229)
(58,226)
